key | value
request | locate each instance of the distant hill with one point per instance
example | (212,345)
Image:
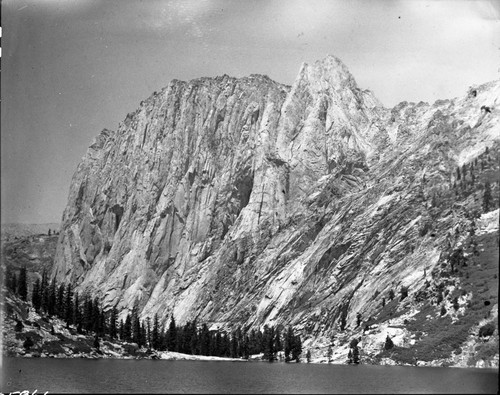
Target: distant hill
(11,231)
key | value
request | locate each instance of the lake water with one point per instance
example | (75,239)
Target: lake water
(157,376)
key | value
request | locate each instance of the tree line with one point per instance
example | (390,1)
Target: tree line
(88,317)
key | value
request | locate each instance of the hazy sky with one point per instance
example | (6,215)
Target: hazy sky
(73,67)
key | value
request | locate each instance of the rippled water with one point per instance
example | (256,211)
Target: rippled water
(156,376)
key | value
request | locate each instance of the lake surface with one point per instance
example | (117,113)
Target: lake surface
(157,376)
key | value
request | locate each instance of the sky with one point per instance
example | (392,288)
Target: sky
(71,68)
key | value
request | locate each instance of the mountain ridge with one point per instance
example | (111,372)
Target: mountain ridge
(242,201)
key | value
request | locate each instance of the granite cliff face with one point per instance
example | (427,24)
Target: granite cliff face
(244,201)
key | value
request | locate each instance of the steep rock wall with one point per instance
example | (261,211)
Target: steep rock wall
(244,201)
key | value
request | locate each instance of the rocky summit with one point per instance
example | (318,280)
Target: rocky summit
(242,201)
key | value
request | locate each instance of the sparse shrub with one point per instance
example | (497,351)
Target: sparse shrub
(443,310)
(28,343)
(388,343)
(439,297)
(487,330)
(19,326)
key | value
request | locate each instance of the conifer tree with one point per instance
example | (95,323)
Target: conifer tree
(329,353)
(193,346)
(68,305)
(204,340)
(121,331)
(268,343)
(35,295)
(88,310)
(155,334)
(252,342)
(22,286)
(486,197)
(246,347)
(77,316)
(44,292)
(127,328)
(308,356)
(148,333)
(136,326)
(172,335)
(59,309)
(391,294)
(278,346)
(52,297)
(297,348)
(234,345)
(113,317)
(289,344)
(143,337)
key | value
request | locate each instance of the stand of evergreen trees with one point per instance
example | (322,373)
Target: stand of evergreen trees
(88,317)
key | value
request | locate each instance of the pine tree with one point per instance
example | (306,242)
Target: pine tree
(268,343)
(289,344)
(121,331)
(458,173)
(354,349)
(148,333)
(391,294)
(234,345)
(68,305)
(308,356)
(127,328)
(486,197)
(172,335)
(136,326)
(112,323)
(246,347)
(278,346)
(88,310)
(77,316)
(204,340)
(143,338)
(35,295)
(193,345)
(59,309)
(52,297)
(297,348)
(155,334)
(22,286)
(329,354)
(44,292)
